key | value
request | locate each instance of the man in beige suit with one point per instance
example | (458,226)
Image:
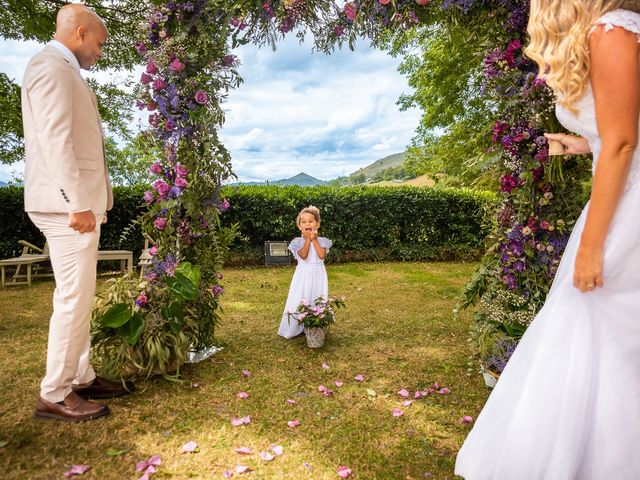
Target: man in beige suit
(67,193)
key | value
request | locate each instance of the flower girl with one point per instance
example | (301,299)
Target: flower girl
(310,278)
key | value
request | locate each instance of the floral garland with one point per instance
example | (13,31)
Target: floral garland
(148,326)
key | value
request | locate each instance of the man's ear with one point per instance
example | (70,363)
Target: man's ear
(81,31)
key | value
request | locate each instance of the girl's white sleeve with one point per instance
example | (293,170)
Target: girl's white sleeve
(295,245)
(325,243)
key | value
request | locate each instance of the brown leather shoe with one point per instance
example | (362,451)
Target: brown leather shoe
(102,388)
(73,408)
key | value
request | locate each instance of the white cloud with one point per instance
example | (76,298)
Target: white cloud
(298,111)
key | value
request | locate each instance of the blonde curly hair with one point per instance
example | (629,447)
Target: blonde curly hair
(558,32)
(310,210)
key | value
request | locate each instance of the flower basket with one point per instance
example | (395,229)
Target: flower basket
(316,336)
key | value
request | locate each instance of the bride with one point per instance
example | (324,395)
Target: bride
(567,406)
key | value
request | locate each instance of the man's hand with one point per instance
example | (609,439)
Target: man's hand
(83,222)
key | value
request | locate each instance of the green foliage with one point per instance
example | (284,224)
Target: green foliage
(129,164)
(11,146)
(405,223)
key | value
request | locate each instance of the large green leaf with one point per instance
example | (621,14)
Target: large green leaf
(116,316)
(132,330)
(189,271)
(182,287)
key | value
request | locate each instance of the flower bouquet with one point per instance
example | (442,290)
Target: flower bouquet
(316,317)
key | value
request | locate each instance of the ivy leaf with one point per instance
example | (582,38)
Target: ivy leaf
(132,330)
(116,316)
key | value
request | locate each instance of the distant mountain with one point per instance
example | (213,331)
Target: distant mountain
(369,171)
(301,179)
(3,184)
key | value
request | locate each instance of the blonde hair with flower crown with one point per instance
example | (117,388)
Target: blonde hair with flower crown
(310,210)
(559,31)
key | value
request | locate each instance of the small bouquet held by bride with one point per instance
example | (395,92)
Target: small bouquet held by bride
(316,317)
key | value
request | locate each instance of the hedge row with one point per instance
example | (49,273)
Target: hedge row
(404,223)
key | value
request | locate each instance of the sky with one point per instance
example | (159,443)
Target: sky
(297,111)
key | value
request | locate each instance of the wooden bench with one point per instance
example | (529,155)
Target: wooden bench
(125,257)
(26,261)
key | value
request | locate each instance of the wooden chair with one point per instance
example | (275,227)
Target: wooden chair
(33,260)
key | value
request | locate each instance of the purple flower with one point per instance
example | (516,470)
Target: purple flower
(140,47)
(188,7)
(217,290)
(176,65)
(228,60)
(145,78)
(149,196)
(339,30)
(160,223)
(201,97)
(157,168)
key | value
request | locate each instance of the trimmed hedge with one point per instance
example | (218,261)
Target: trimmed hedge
(365,223)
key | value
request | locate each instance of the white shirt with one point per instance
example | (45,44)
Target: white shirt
(67,53)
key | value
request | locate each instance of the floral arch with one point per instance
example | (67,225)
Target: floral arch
(147,326)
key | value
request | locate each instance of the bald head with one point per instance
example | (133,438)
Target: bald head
(82,31)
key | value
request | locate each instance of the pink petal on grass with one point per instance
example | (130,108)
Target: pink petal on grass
(466,419)
(327,392)
(243,450)
(321,388)
(242,395)
(246,373)
(266,456)
(339,383)
(153,461)
(190,447)
(344,472)
(359,378)
(396,412)
(242,469)
(291,402)
(293,423)
(77,470)
(236,422)
(444,391)
(325,366)
(227,474)
(406,403)
(277,450)
(403,393)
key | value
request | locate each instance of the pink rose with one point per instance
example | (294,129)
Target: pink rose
(181,182)
(176,65)
(350,11)
(181,170)
(159,84)
(384,2)
(153,251)
(201,97)
(145,78)
(161,187)
(160,223)
(156,168)
(151,68)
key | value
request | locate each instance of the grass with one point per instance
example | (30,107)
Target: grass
(398,331)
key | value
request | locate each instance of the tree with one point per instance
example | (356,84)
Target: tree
(35,20)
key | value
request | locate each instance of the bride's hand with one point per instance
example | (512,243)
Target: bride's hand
(573,145)
(587,275)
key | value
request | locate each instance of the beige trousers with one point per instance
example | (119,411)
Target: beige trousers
(74,259)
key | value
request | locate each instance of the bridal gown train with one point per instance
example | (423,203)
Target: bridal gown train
(567,406)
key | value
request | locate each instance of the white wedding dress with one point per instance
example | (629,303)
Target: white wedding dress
(567,406)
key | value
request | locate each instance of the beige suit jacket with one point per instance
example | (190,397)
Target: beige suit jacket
(65,168)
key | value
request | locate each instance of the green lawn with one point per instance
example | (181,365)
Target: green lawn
(398,331)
